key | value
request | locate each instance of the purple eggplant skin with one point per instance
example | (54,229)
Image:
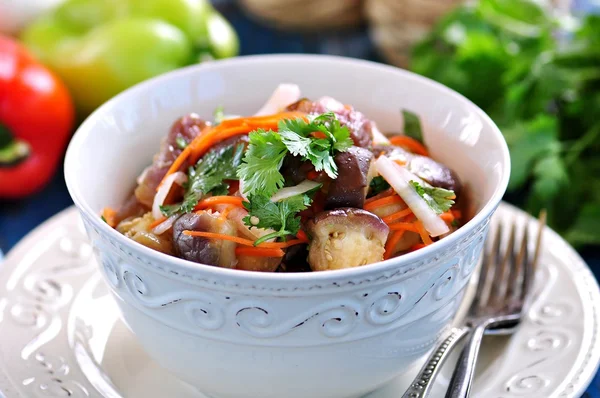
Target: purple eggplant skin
(215,252)
(355,171)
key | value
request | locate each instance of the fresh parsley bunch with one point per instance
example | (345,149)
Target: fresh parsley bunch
(540,82)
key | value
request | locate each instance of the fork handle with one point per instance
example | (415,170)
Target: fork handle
(421,385)
(462,378)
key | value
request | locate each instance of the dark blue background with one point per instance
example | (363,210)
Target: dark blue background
(17,218)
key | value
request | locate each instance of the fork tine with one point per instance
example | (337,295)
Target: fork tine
(531,264)
(538,242)
(499,279)
(515,266)
(522,262)
(490,261)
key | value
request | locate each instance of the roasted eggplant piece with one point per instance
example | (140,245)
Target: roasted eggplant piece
(138,229)
(259,264)
(346,238)
(424,167)
(131,208)
(184,129)
(355,172)
(295,170)
(216,252)
(295,259)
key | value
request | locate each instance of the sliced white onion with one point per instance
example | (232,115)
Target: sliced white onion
(179,178)
(241,190)
(304,186)
(398,177)
(378,137)
(237,215)
(165,225)
(331,104)
(143,175)
(284,95)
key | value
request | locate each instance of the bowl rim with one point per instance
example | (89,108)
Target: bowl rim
(234,275)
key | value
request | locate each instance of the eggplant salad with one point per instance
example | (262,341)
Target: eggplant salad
(300,186)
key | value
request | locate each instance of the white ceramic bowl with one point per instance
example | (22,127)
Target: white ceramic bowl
(237,334)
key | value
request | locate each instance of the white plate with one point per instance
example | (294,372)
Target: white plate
(60,334)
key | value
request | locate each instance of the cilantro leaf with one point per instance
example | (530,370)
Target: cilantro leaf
(262,161)
(267,150)
(280,216)
(219,115)
(378,184)
(169,210)
(181,142)
(412,125)
(300,139)
(439,199)
(208,176)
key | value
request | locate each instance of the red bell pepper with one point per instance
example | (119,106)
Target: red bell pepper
(36,118)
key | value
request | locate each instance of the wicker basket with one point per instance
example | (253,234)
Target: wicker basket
(306,14)
(395,25)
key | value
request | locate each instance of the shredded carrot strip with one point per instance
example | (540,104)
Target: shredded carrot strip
(404,226)
(417,247)
(302,236)
(383,202)
(157,222)
(424,234)
(212,235)
(200,147)
(243,241)
(177,163)
(319,134)
(391,243)
(258,252)
(263,121)
(397,215)
(456,213)
(282,245)
(447,216)
(219,200)
(383,194)
(409,143)
(400,162)
(110,215)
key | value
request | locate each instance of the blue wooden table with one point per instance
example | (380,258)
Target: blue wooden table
(17,218)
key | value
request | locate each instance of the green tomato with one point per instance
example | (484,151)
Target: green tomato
(117,55)
(188,15)
(222,40)
(79,16)
(101,47)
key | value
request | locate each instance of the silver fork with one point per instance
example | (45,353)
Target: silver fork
(496,309)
